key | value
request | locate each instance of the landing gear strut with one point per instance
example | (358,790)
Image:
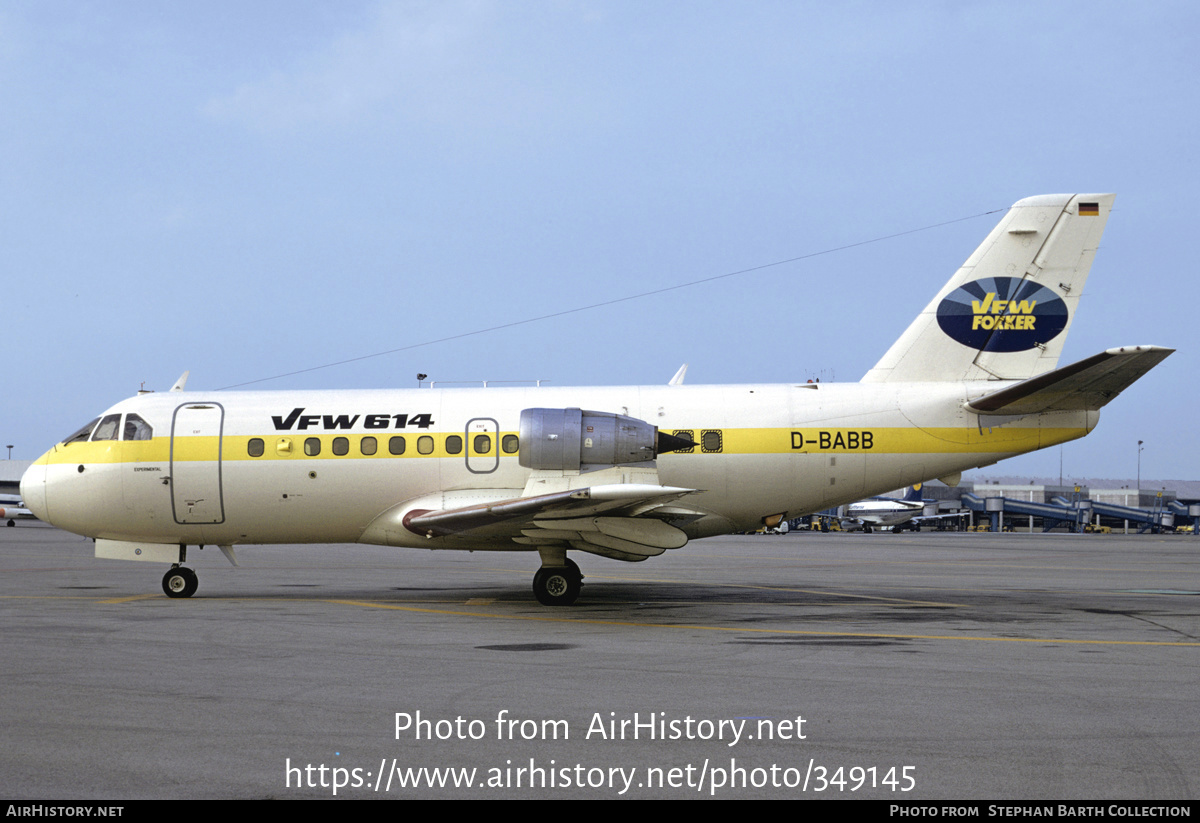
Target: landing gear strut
(558,585)
(180,581)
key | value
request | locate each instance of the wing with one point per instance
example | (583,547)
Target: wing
(924,518)
(625,521)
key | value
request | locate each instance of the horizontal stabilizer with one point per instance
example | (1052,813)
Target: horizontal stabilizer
(1086,385)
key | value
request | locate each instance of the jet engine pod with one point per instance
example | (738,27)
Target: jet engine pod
(565,439)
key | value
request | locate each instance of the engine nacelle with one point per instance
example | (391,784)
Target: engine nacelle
(565,439)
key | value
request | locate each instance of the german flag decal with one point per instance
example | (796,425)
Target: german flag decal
(1089,209)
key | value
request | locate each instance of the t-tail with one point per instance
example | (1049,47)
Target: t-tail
(1005,314)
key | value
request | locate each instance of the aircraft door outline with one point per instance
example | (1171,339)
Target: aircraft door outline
(197,429)
(479,461)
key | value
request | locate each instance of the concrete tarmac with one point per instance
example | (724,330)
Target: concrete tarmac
(914,667)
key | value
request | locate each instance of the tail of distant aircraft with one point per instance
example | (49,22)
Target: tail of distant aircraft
(1005,314)
(913,495)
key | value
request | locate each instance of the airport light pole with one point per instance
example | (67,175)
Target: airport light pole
(1139,475)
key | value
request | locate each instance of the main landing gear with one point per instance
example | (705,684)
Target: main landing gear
(558,585)
(180,581)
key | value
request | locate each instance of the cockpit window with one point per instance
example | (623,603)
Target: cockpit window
(82,435)
(107,430)
(137,429)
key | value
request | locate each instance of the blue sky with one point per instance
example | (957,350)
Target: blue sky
(245,190)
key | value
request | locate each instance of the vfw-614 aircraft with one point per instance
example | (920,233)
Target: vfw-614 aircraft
(624,472)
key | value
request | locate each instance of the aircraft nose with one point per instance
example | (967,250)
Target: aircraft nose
(33,490)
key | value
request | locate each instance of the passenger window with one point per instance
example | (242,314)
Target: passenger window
(255,447)
(312,446)
(83,434)
(425,444)
(396,445)
(482,444)
(368,445)
(136,428)
(107,430)
(454,444)
(341,445)
(511,443)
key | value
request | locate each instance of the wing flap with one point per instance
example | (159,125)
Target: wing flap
(594,540)
(643,531)
(515,516)
(1087,385)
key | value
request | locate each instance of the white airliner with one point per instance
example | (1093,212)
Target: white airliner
(11,512)
(886,511)
(889,511)
(622,472)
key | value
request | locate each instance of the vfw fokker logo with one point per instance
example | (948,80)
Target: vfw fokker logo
(1002,314)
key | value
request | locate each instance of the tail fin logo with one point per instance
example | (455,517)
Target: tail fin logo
(1002,314)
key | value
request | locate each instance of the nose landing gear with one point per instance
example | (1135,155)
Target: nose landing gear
(180,581)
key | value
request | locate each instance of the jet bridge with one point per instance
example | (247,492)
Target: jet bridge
(1077,514)
(1191,511)
(1155,519)
(1053,515)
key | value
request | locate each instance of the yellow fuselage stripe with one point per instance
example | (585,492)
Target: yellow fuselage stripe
(800,440)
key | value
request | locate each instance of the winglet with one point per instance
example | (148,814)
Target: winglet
(181,382)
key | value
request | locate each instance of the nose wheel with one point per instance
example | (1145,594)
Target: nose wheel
(180,581)
(558,585)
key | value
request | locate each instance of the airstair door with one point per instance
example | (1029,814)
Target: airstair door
(196,430)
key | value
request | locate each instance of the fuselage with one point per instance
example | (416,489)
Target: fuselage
(323,466)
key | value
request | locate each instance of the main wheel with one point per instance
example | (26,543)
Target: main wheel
(180,582)
(557,585)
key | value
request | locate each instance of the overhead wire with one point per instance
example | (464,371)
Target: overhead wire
(613,301)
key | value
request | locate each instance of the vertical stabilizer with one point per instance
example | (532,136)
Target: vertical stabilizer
(1005,314)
